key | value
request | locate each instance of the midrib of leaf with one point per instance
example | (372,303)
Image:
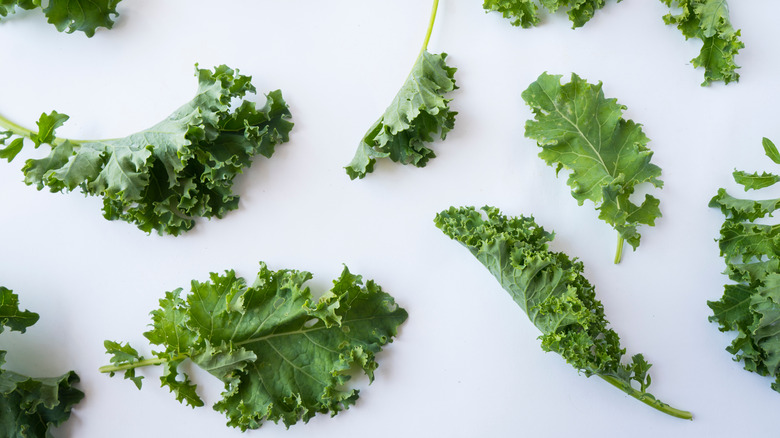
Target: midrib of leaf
(307,330)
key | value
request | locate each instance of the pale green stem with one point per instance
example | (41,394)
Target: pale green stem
(139,364)
(16,129)
(648,399)
(430,26)
(619,252)
(21,131)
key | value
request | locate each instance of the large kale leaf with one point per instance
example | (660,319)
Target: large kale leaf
(417,115)
(708,21)
(525,13)
(180,169)
(69,15)
(551,289)
(751,305)
(281,353)
(30,407)
(580,130)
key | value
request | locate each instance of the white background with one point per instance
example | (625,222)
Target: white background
(467,362)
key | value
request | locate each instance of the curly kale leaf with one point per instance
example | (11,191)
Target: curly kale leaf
(11,316)
(417,115)
(708,21)
(180,169)
(580,130)
(281,353)
(69,15)
(751,306)
(525,13)
(31,407)
(551,289)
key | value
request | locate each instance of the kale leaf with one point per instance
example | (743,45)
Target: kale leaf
(708,21)
(163,177)
(580,130)
(31,407)
(551,289)
(751,305)
(282,354)
(418,114)
(69,15)
(525,13)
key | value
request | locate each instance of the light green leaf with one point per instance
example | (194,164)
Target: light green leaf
(418,114)
(580,130)
(770,150)
(180,169)
(754,181)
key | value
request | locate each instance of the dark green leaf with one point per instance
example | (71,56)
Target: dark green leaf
(31,407)
(69,15)
(281,353)
(551,289)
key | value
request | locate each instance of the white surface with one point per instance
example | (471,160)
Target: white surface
(467,362)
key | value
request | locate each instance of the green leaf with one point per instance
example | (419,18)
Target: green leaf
(281,353)
(70,15)
(708,20)
(743,209)
(124,355)
(47,124)
(754,181)
(418,114)
(12,150)
(551,289)
(771,150)
(580,130)
(180,169)
(525,12)
(11,316)
(751,307)
(31,407)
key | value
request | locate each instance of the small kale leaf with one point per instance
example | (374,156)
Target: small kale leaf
(31,407)
(418,113)
(580,130)
(708,21)
(69,15)
(525,13)
(551,289)
(281,353)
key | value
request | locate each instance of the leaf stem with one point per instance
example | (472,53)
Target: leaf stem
(648,399)
(21,131)
(619,252)
(13,127)
(140,363)
(430,26)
